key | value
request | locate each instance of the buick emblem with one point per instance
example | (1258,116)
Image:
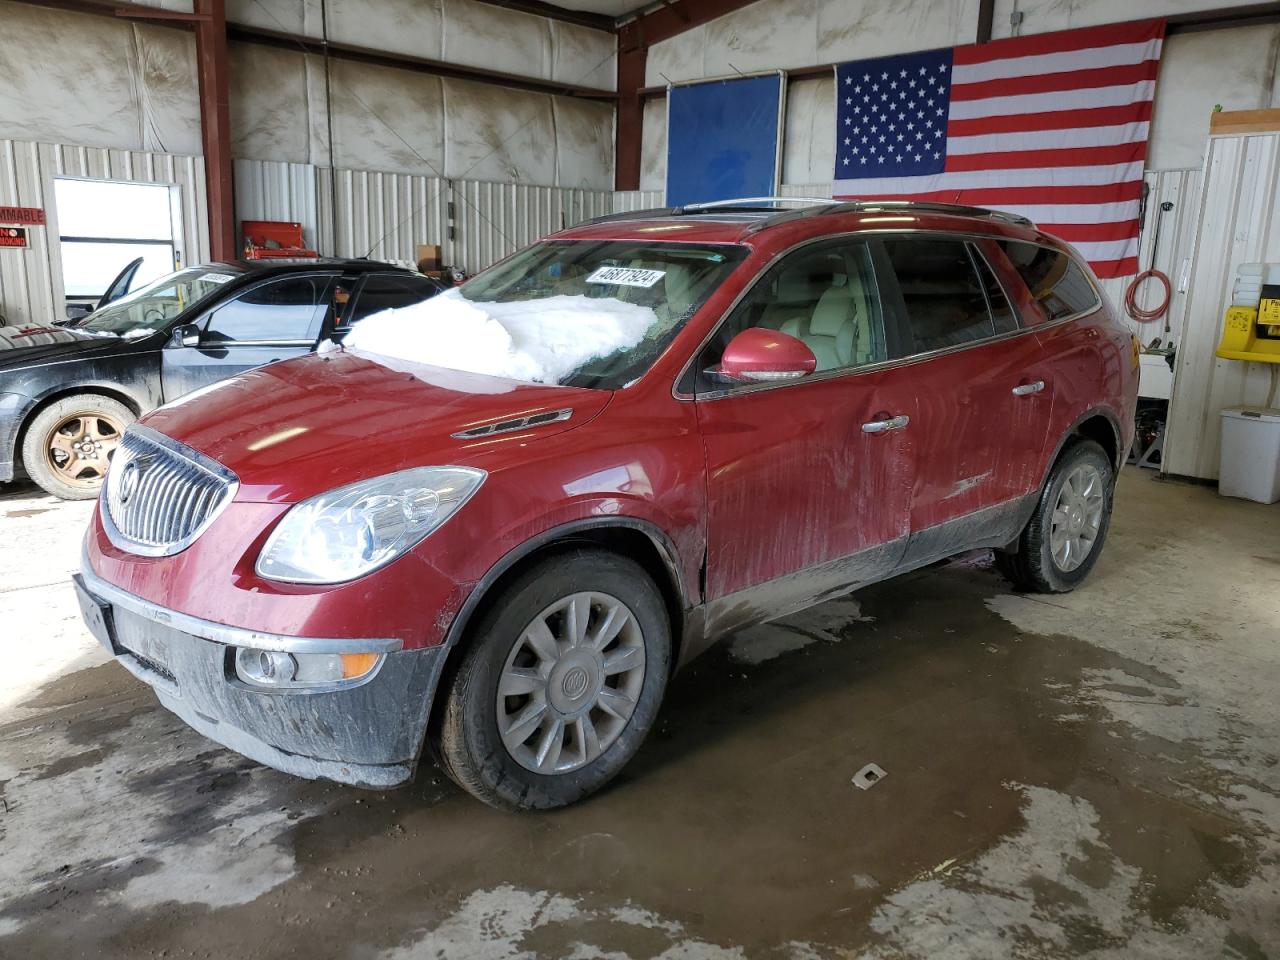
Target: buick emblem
(128,481)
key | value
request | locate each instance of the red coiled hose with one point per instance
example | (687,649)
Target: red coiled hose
(1131,297)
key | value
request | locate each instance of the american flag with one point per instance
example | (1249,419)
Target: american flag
(1052,126)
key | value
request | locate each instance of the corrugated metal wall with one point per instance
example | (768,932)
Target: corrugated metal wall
(31,279)
(1177,238)
(385,215)
(1241,224)
(625,201)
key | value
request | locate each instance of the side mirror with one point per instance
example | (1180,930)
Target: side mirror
(185,335)
(758,355)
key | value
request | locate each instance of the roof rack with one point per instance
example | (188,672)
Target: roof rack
(810,207)
(737,205)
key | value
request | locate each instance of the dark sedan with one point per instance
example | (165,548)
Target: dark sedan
(66,395)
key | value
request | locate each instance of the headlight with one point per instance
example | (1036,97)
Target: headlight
(354,530)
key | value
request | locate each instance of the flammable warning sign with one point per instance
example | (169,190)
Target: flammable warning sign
(23,216)
(13,237)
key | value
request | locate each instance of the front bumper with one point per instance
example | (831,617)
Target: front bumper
(368,734)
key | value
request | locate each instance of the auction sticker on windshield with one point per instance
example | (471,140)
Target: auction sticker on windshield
(626,276)
(218,277)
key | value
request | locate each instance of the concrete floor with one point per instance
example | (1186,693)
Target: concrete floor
(1087,775)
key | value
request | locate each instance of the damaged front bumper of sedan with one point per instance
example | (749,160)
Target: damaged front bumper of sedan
(268,696)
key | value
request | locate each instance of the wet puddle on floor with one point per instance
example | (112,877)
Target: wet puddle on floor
(1042,795)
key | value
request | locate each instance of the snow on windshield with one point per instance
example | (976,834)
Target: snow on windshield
(541,341)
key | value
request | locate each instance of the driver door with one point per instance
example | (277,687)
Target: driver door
(273,320)
(808,481)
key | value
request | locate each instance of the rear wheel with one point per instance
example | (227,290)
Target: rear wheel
(1062,540)
(69,444)
(560,685)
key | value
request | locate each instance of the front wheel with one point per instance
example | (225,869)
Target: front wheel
(560,684)
(1062,540)
(69,444)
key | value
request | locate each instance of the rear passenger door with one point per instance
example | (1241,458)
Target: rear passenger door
(982,386)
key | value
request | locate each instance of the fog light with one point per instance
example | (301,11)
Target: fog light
(268,667)
(279,670)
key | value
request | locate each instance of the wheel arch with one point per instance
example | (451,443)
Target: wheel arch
(638,540)
(1100,425)
(63,393)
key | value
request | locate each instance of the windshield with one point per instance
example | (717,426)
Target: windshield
(577,313)
(149,309)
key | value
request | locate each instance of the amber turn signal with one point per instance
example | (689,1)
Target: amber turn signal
(357,664)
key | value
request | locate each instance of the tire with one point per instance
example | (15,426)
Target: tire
(505,772)
(54,451)
(1035,566)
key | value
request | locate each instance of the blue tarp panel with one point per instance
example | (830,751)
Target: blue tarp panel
(722,139)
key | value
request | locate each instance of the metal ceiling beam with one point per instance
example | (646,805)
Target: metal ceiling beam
(581,18)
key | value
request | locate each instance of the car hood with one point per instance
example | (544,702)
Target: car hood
(296,429)
(32,344)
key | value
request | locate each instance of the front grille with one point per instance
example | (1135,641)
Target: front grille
(160,495)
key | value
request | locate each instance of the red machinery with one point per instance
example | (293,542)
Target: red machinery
(264,239)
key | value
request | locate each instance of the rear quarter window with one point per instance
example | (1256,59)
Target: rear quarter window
(1055,280)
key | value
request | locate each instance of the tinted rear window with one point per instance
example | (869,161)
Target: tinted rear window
(1055,280)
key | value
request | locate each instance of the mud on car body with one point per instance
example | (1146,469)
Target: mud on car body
(67,393)
(597,457)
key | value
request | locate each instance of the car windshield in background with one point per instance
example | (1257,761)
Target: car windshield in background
(577,313)
(147,310)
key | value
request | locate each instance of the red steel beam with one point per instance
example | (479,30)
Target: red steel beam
(215,126)
(635,37)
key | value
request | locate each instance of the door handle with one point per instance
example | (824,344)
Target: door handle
(884,426)
(1026,389)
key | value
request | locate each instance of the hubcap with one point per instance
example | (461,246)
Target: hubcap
(80,448)
(570,683)
(1077,517)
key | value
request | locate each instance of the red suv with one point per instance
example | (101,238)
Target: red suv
(495,523)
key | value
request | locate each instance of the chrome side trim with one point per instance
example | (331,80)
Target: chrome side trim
(514,425)
(869,367)
(221,632)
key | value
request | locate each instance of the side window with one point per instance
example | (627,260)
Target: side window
(1057,283)
(1006,321)
(286,309)
(942,296)
(384,291)
(824,295)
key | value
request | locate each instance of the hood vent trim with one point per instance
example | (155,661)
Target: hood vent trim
(515,425)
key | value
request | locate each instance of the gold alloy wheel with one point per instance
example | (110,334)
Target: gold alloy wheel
(80,448)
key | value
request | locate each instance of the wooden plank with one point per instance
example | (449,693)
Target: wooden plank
(1237,122)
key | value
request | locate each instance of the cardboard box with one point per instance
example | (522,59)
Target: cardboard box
(428,257)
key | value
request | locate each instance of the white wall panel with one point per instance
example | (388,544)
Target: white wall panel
(1240,224)
(456,31)
(31,280)
(653,146)
(1173,258)
(96,81)
(625,201)
(773,34)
